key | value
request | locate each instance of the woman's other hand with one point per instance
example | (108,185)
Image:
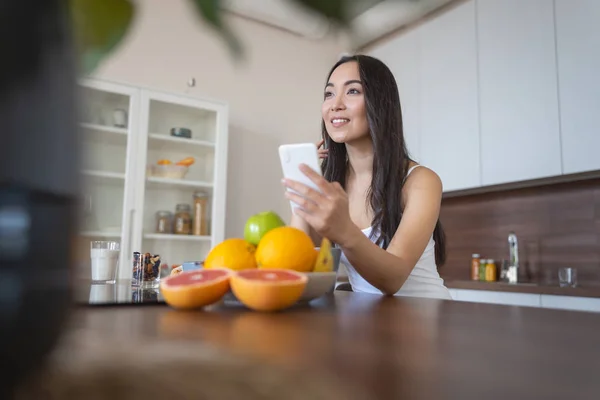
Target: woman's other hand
(326,211)
(323,152)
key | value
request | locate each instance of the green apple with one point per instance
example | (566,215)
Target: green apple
(259,224)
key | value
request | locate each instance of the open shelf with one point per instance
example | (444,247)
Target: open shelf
(105,176)
(154,183)
(159,140)
(104,128)
(101,234)
(177,251)
(165,236)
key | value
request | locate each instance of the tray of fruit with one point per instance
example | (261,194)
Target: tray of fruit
(270,271)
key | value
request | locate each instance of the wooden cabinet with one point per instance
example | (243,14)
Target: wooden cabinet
(121,192)
(518,90)
(401,55)
(448,92)
(578,49)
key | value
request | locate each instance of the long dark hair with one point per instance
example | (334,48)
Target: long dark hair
(391,158)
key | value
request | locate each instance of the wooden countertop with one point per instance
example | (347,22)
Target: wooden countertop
(343,346)
(533,288)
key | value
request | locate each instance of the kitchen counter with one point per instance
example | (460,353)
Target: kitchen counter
(342,346)
(533,288)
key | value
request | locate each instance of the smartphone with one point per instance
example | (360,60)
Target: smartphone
(291,156)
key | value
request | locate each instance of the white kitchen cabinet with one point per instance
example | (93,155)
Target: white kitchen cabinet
(449,117)
(518,90)
(401,55)
(493,297)
(121,197)
(578,48)
(570,303)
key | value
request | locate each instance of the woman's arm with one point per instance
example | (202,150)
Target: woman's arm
(387,269)
(298,222)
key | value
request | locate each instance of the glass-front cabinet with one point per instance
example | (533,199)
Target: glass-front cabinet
(153,173)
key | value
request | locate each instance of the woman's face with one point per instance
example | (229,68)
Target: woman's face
(344,110)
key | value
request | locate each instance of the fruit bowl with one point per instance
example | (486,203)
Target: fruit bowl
(337,254)
(319,284)
(171,171)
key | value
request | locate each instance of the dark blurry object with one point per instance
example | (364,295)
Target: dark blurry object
(38,183)
(99,26)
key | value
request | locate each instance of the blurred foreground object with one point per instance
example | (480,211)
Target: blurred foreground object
(91,366)
(38,183)
(100,25)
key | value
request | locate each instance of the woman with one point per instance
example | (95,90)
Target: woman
(379,206)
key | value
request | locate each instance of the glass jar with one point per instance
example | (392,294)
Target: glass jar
(164,222)
(183,220)
(146,270)
(490,271)
(200,213)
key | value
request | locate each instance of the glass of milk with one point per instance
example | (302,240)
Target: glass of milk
(105,260)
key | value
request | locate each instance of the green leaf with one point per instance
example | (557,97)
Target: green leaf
(336,10)
(211,12)
(99,26)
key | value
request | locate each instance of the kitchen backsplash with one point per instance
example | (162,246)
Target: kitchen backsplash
(557,225)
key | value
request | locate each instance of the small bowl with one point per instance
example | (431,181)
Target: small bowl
(167,171)
(181,132)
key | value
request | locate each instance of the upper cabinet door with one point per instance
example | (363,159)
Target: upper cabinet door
(578,46)
(449,103)
(520,137)
(401,55)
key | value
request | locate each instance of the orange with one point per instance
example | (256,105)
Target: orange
(286,247)
(268,289)
(233,253)
(195,289)
(164,162)
(186,161)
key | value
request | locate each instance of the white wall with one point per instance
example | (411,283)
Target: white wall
(274,95)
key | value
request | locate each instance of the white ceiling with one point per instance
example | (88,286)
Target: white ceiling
(374,18)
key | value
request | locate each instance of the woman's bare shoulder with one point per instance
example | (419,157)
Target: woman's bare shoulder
(422,179)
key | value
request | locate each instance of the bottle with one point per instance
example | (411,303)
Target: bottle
(183,219)
(482,264)
(490,271)
(200,213)
(475,266)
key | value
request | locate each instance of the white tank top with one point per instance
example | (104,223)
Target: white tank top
(423,281)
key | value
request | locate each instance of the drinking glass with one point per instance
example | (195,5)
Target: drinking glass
(105,261)
(567,277)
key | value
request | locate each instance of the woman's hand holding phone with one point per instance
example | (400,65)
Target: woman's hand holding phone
(323,152)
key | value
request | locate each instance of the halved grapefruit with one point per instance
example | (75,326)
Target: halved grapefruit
(268,289)
(195,289)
